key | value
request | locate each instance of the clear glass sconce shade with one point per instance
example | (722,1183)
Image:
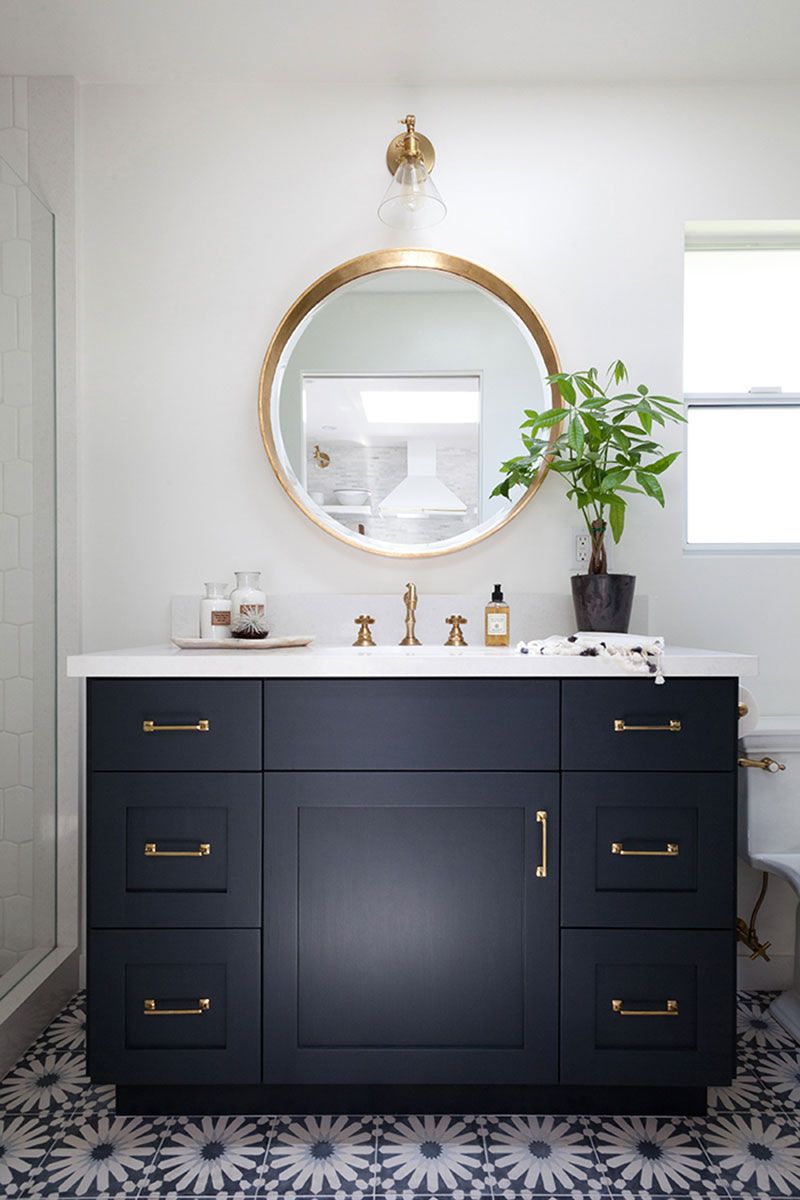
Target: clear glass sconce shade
(412,200)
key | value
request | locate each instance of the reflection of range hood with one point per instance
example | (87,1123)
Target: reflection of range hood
(421,492)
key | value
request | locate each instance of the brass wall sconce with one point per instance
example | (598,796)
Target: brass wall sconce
(412,200)
(322,459)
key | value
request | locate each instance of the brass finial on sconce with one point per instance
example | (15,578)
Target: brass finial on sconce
(322,459)
(364,633)
(456,637)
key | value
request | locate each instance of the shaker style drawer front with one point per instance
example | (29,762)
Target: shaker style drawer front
(174,1006)
(647,1006)
(637,725)
(641,849)
(175,725)
(175,849)
(411,724)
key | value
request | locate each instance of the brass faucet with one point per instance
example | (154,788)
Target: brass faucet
(410,601)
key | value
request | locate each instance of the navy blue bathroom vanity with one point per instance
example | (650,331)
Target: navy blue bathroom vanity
(411,894)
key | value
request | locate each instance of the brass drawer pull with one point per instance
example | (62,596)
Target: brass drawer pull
(200,727)
(764,764)
(673,727)
(151,850)
(671,851)
(150,1009)
(670,1011)
(541,870)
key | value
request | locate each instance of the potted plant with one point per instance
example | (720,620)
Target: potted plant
(605,451)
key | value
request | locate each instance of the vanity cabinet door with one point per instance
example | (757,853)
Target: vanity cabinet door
(411,933)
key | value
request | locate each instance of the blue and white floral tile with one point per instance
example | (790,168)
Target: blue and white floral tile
(321,1156)
(756,1029)
(95,1156)
(46,1080)
(210,1156)
(744,1094)
(758,1155)
(433,1156)
(24,1142)
(652,1156)
(779,1075)
(541,1156)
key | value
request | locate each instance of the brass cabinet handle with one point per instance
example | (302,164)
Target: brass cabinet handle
(541,870)
(671,1010)
(200,727)
(151,850)
(671,851)
(151,1009)
(673,727)
(764,764)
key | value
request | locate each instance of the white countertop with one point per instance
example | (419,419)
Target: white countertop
(392,661)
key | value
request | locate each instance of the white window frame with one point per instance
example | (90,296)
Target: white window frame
(728,400)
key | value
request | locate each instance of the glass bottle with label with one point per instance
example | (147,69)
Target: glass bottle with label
(215,613)
(498,619)
(247,596)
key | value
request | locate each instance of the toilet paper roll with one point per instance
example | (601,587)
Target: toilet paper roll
(749,721)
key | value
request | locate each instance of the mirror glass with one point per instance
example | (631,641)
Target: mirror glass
(394,401)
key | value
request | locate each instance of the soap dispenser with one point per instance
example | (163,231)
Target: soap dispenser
(498,619)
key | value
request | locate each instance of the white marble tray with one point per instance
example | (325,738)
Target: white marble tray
(267,643)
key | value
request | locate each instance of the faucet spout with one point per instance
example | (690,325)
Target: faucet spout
(410,601)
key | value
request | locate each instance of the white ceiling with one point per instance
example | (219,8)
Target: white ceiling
(403,41)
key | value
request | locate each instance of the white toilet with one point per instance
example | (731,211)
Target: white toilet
(769,826)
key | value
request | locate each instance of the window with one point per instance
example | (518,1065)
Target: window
(742,384)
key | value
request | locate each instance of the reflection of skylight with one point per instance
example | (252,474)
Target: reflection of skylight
(420,407)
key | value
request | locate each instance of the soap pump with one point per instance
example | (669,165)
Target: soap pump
(498,619)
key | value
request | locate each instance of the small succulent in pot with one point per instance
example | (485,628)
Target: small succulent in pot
(251,623)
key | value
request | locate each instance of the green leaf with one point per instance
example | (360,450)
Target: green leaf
(621,439)
(551,416)
(619,369)
(567,389)
(562,466)
(616,512)
(612,479)
(642,390)
(575,436)
(645,420)
(651,486)
(661,464)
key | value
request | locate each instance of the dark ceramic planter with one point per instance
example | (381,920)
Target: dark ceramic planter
(603,602)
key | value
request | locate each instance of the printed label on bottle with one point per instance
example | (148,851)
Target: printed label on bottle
(497,624)
(257,609)
(220,616)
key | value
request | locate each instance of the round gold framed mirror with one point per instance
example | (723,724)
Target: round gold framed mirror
(390,394)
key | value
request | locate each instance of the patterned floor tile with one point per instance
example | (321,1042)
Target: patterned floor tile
(539,1156)
(99,1156)
(321,1156)
(658,1156)
(756,1154)
(745,1094)
(24,1142)
(210,1156)
(432,1155)
(779,1075)
(756,1028)
(45,1080)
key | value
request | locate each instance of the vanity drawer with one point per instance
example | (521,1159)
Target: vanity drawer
(175,849)
(636,725)
(174,1006)
(411,725)
(641,849)
(650,1007)
(218,720)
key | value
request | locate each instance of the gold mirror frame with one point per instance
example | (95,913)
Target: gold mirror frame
(371,264)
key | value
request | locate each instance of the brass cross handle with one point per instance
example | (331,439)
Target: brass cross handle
(456,637)
(364,633)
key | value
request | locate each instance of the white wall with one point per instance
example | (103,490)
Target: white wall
(206,210)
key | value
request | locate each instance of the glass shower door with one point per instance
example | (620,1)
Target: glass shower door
(28,580)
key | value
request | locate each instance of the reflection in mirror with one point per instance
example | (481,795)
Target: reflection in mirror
(393,404)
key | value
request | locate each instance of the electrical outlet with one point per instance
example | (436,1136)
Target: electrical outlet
(581,548)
